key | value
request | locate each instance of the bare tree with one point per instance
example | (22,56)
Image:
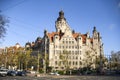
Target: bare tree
(88,59)
(64,59)
(3,25)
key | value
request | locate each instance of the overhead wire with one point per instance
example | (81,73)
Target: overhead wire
(15,5)
(25,24)
(17,20)
(20,21)
(27,29)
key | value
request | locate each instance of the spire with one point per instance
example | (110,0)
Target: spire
(61,16)
(94,29)
(45,32)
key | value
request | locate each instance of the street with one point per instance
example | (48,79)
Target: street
(61,78)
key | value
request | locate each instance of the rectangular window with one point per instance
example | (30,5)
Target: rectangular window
(69,47)
(69,42)
(72,41)
(76,57)
(66,46)
(76,63)
(60,63)
(69,51)
(80,63)
(55,62)
(66,42)
(56,67)
(73,62)
(69,62)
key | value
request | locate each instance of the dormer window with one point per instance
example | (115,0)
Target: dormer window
(56,37)
(79,38)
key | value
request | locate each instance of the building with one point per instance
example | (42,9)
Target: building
(76,45)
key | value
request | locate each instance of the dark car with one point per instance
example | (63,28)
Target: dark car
(21,73)
(12,73)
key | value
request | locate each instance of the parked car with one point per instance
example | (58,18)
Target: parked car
(12,73)
(21,73)
(54,73)
(57,74)
(3,72)
(88,72)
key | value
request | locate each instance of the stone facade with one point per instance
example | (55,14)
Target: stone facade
(76,45)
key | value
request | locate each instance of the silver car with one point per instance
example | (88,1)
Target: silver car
(3,72)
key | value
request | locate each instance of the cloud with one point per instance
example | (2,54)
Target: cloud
(112,26)
(119,4)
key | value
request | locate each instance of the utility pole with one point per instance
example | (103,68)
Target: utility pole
(45,58)
(110,62)
(101,60)
(38,62)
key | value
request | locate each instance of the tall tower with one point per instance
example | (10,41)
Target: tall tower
(61,23)
(95,37)
(97,42)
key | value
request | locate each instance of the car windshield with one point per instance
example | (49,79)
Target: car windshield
(3,70)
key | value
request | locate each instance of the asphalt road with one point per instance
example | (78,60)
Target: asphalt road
(61,78)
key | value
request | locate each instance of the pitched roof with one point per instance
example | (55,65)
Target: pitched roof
(75,35)
(51,35)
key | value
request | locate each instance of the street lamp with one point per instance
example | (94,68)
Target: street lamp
(101,66)
(38,62)
(17,45)
(28,45)
(44,62)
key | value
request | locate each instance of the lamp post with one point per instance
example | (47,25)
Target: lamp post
(17,48)
(17,45)
(101,66)
(44,62)
(38,62)
(110,63)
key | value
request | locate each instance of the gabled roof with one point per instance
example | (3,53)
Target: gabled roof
(51,35)
(75,35)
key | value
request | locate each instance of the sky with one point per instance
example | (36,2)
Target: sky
(29,18)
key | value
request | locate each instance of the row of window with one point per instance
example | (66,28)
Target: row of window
(69,52)
(66,42)
(69,57)
(69,63)
(68,38)
(67,47)
(64,67)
